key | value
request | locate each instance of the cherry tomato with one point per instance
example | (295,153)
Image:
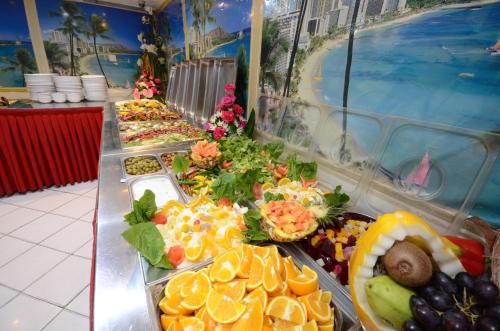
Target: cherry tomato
(176,255)
(159,219)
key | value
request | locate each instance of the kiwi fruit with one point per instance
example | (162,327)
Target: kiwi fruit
(408,264)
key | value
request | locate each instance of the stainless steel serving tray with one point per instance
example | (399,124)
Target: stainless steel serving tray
(150,156)
(154,293)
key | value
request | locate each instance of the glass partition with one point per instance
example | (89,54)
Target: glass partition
(270,113)
(300,121)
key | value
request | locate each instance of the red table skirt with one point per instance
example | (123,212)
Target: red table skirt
(45,147)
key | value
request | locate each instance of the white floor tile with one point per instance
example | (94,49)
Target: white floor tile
(17,218)
(26,268)
(89,217)
(52,201)
(26,314)
(76,208)
(66,321)
(6,294)
(81,304)
(63,283)
(92,193)
(6,208)
(86,250)
(22,199)
(71,237)
(42,227)
(12,247)
(79,188)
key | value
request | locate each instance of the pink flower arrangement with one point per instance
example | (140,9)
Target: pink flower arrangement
(228,118)
(147,87)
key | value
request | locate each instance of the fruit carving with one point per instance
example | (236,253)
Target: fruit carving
(375,243)
(287,220)
(205,155)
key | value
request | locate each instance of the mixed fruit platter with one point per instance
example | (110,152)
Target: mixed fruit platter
(144,110)
(247,288)
(404,276)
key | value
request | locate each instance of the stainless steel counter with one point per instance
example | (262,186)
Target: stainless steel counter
(121,300)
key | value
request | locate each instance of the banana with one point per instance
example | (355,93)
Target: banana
(389,300)
(420,242)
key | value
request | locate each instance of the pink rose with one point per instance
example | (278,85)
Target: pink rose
(242,124)
(157,80)
(154,89)
(238,109)
(208,126)
(137,95)
(219,106)
(157,92)
(227,101)
(151,77)
(227,116)
(219,132)
(147,93)
(229,88)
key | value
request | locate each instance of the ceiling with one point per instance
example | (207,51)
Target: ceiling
(127,4)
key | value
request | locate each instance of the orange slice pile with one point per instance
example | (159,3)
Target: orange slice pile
(247,288)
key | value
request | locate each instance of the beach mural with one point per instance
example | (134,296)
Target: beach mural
(16,52)
(173,12)
(422,59)
(74,33)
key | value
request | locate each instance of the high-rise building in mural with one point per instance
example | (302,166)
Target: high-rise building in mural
(287,24)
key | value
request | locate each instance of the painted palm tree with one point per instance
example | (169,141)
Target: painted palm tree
(72,26)
(196,9)
(22,61)
(273,47)
(208,5)
(98,27)
(55,55)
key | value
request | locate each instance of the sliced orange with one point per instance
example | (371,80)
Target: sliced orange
(192,324)
(284,181)
(282,325)
(172,305)
(225,267)
(194,291)
(172,204)
(233,236)
(276,257)
(256,272)
(286,309)
(174,285)
(271,279)
(222,308)
(246,262)
(311,326)
(195,248)
(289,268)
(268,324)
(166,320)
(202,314)
(262,251)
(318,305)
(235,289)
(282,290)
(305,283)
(266,186)
(252,318)
(175,326)
(258,293)
(223,327)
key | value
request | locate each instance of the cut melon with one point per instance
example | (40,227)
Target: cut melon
(375,242)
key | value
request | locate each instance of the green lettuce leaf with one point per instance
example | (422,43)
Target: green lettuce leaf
(143,209)
(336,199)
(180,164)
(254,233)
(298,169)
(248,131)
(147,240)
(237,187)
(268,196)
(275,148)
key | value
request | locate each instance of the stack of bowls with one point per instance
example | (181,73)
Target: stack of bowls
(40,86)
(70,86)
(95,88)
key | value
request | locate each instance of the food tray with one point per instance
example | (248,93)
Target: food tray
(179,151)
(150,156)
(165,178)
(154,293)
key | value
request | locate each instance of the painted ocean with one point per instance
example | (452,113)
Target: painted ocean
(12,78)
(119,72)
(231,49)
(433,68)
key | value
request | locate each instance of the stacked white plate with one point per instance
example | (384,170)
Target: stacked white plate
(69,86)
(39,85)
(95,88)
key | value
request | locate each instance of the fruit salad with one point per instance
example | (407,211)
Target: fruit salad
(247,288)
(331,246)
(198,230)
(205,155)
(288,190)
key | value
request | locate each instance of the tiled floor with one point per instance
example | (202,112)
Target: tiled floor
(46,250)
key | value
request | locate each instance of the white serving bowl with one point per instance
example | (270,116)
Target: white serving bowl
(59,97)
(45,99)
(74,97)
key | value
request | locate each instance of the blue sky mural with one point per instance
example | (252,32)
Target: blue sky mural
(13,24)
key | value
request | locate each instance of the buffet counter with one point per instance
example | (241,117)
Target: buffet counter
(54,145)
(124,287)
